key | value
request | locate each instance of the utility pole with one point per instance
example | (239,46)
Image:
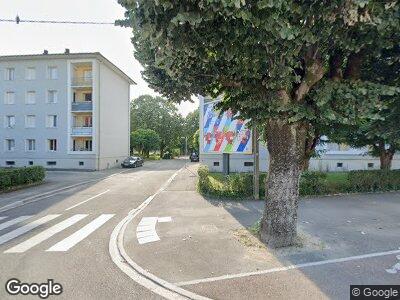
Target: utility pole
(186,146)
(256,165)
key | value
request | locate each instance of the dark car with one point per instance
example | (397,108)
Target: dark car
(194,157)
(132,162)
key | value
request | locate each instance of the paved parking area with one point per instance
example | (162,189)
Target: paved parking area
(206,249)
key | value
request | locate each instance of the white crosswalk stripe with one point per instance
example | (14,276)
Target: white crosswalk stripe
(44,235)
(80,235)
(13,222)
(26,228)
(2,218)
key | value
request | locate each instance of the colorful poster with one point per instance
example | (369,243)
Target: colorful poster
(224,132)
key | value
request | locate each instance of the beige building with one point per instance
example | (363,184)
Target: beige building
(63,111)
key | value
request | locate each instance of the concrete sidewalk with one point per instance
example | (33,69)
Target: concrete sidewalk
(207,249)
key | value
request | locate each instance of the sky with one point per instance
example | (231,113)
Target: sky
(113,42)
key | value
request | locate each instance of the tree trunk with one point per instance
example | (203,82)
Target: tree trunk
(306,164)
(286,151)
(386,158)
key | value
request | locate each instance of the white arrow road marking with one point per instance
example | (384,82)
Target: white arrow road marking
(396,268)
(44,235)
(91,198)
(13,222)
(146,230)
(24,229)
(81,234)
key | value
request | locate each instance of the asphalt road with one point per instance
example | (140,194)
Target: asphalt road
(65,237)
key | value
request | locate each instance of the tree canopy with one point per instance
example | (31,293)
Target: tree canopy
(145,140)
(158,114)
(291,66)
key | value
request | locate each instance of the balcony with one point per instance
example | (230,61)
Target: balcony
(82,106)
(81,131)
(82,81)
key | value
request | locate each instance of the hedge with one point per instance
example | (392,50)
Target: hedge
(14,177)
(240,185)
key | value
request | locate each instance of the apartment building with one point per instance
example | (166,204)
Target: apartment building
(63,111)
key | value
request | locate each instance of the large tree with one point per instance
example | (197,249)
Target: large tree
(379,130)
(191,126)
(158,114)
(145,140)
(268,58)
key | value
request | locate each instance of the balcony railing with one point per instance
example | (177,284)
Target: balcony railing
(82,81)
(82,106)
(81,131)
(81,149)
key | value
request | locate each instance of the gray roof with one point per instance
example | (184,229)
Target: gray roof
(83,55)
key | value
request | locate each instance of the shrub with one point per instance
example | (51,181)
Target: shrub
(20,176)
(240,185)
(167,155)
(313,183)
(374,180)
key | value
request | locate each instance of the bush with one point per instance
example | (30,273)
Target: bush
(313,183)
(240,185)
(374,180)
(20,176)
(167,155)
(176,152)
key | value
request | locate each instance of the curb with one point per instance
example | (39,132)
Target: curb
(132,269)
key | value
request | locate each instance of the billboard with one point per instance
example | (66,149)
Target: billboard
(224,132)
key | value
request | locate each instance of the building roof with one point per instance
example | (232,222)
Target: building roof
(82,55)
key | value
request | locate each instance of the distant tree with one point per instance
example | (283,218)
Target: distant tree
(158,114)
(196,140)
(191,126)
(145,140)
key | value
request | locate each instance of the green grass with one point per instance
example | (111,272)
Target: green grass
(337,177)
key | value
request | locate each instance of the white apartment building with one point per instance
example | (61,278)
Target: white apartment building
(63,111)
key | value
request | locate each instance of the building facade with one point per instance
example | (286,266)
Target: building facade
(332,157)
(63,111)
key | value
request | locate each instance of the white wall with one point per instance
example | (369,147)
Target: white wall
(113,118)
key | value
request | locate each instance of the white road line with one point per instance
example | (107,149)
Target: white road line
(132,269)
(2,218)
(24,229)
(91,198)
(13,222)
(37,239)
(81,234)
(164,219)
(287,268)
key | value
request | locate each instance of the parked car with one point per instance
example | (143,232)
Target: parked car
(194,157)
(132,162)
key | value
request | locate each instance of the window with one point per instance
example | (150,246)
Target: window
(216,163)
(10,163)
(339,165)
(30,145)
(9,74)
(51,96)
(88,121)
(52,72)
(248,163)
(81,163)
(30,163)
(51,163)
(370,165)
(88,145)
(10,122)
(10,145)
(30,73)
(51,121)
(52,145)
(88,96)
(87,74)
(30,121)
(9,98)
(30,97)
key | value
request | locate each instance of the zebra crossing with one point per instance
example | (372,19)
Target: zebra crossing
(63,245)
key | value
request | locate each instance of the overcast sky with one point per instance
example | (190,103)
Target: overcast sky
(113,42)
